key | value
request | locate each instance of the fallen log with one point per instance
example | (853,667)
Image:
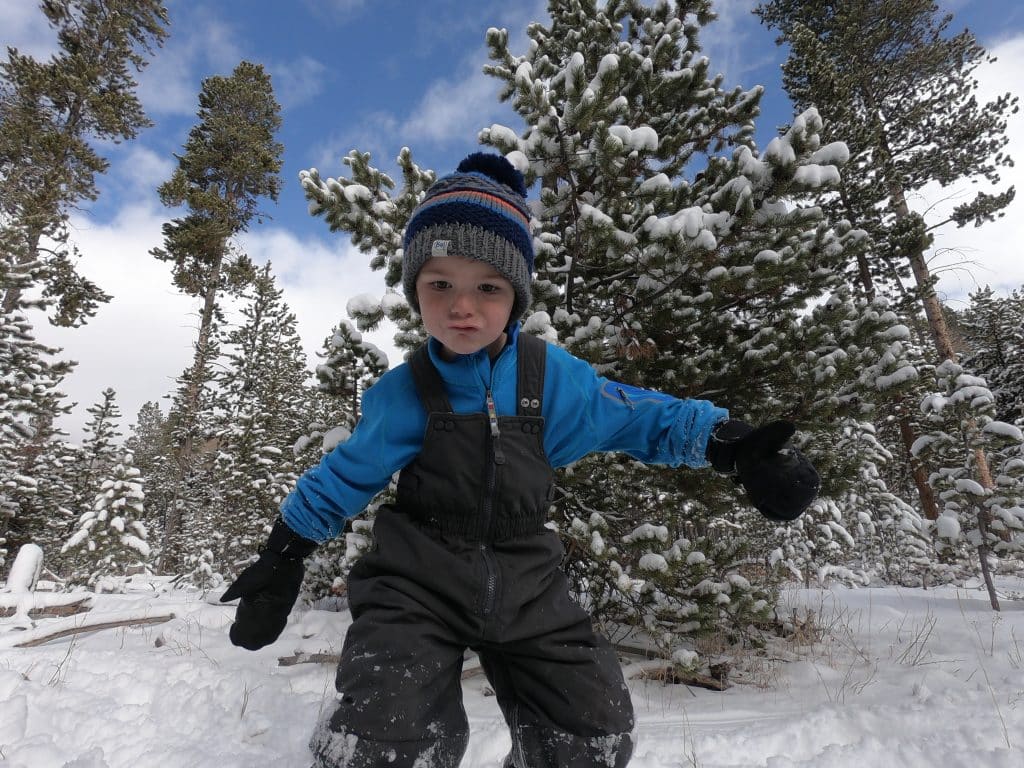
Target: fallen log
(94,626)
(472,664)
(669,675)
(52,611)
(308,658)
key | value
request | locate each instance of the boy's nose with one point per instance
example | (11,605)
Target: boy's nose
(462,304)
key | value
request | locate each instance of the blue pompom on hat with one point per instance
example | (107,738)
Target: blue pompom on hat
(479,212)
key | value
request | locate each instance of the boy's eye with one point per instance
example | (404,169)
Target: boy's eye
(440,285)
(489,288)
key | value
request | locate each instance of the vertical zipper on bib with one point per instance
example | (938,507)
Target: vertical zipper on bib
(492,418)
(495,458)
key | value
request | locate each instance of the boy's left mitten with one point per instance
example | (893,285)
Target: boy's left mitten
(268,588)
(780,481)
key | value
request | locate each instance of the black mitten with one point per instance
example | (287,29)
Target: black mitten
(780,481)
(268,588)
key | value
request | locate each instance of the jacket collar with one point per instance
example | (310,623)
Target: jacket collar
(473,370)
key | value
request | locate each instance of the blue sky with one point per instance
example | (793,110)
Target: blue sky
(375,75)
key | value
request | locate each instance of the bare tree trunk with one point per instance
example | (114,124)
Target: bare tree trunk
(918,472)
(944,346)
(170,558)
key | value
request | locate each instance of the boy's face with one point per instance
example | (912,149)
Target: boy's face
(465,304)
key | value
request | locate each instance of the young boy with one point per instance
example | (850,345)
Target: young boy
(476,422)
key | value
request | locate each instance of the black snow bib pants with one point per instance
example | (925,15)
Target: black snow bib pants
(463,560)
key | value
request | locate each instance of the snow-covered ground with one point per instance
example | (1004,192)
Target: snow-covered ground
(904,678)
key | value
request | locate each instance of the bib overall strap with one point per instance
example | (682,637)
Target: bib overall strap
(429,386)
(533,354)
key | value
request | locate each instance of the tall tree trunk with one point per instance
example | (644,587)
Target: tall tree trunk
(170,558)
(917,470)
(944,346)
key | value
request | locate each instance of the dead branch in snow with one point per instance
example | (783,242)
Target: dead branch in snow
(52,611)
(472,664)
(94,626)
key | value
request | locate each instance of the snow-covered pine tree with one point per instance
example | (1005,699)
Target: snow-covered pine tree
(670,257)
(993,329)
(365,208)
(109,536)
(264,408)
(190,421)
(29,395)
(29,389)
(101,444)
(667,255)
(151,445)
(231,161)
(899,89)
(52,510)
(350,366)
(985,516)
(853,365)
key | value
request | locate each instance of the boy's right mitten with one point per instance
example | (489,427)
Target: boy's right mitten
(268,588)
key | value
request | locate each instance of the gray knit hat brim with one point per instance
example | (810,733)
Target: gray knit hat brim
(471,242)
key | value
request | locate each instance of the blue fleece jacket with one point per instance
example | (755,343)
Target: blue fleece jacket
(583,413)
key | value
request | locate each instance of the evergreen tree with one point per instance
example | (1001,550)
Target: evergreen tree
(191,422)
(985,514)
(667,255)
(900,90)
(151,446)
(231,161)
(101,438)
(896,86)
(50,512)
(265,407)
(350,366)
(53,117)
(29,396)
(993,330)
(109,536)
(365,208)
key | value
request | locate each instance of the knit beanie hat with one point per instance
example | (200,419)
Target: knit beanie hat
(479,212)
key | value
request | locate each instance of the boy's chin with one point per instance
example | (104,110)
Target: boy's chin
(452,349)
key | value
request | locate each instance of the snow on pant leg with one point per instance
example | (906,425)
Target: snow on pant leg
(559,685)
(400,690)
(573,712)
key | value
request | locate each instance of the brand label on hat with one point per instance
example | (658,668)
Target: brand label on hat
(440,248)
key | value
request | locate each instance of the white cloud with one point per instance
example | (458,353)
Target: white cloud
(138,171)
(318,278)
(200,45)
(993,248)
(142,340)
(298,81)
(736,43)
(455,109)
(26,28)
(376,133)
(452,109)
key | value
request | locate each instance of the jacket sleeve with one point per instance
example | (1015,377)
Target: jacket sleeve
(386,438)
(587,413)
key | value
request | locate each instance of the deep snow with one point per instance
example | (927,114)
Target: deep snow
(903,678)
